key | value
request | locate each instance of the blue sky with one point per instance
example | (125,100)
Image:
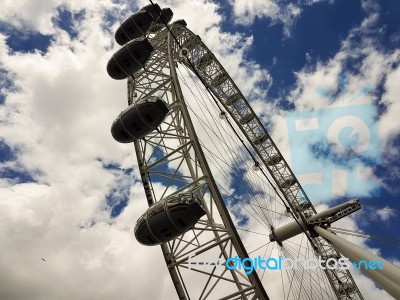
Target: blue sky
(315,37)
(56,153)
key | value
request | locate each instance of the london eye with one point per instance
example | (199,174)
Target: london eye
(218,188)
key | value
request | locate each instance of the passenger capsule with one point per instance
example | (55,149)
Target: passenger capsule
(178,30)
(129,59)
(180,22)
(166,15)
(247,118)
(191,42)
(261,139)
(168,219)
(233,99)
(154,10)
(219,79)
(287,183)
(204,61)
(134,27)
(138,120)
(273,159)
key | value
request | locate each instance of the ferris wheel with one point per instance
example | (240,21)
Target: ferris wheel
(224,205)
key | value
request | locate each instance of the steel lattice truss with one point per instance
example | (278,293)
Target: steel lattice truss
(169,156)
(172,156)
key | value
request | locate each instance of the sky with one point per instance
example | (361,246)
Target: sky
(323,76)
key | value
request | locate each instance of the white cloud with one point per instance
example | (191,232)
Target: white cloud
(38,16)
(246,12)
(384,215)
(58,122)
(388,126)
(317,90)
(275,11)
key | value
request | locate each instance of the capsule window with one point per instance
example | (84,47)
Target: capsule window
(118,70)
(182,223)
(150,240)
(178,208)
(165,232)
(136,126)
(136,54)
(148,118)
(126,62)
(124,134)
